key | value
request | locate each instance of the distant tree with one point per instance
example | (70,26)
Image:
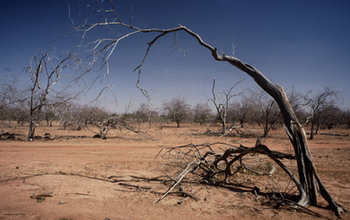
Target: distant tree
(346,118)
(267,111)
(319,105)
(65,113)
(144,114)
(330,119)
(91,114)
(202,113)
(241,110)
(95,116)
(49,115)
(19,113)
(10,97)
(45,71)
(297,101)
(221,101)
(177,110)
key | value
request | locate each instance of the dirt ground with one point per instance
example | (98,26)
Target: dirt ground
(75,176)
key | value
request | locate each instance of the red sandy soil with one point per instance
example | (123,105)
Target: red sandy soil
(84,178)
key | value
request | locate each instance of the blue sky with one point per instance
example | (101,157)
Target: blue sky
(305,44)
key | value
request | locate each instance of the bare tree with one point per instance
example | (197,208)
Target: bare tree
(49,115)
(144,115)
(297,100)
(221,102)
(319,105)
(308,177)
(66,113)
(45,71)
(10,97)
(241,110)
(346,118)
(7,93)
(330,119)
(202,113)
(177,110)
(98,117)
(266,109)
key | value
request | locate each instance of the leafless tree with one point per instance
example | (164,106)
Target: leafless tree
(20,114)
(98,117)
(145,115)
(330,119)
(202,113)
(49,116)
(346,118)
(221,101)
(65,112)
(319,105)
(177,110)
(7,92)
(297,100)
(241,110)
(10,98)
(308,176)
(45,71)
(266,108)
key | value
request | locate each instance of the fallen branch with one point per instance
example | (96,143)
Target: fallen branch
(180,177)
(137,186)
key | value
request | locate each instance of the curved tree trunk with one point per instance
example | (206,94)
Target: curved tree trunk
(306,168)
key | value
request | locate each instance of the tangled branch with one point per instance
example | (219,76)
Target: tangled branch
(206,164)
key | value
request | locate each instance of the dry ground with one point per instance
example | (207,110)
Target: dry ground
(78,177)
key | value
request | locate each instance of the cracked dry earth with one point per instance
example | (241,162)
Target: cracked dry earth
(78,177)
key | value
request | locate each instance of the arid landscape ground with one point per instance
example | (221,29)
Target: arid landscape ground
(75,176)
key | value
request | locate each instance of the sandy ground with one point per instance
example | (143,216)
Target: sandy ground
(78,177)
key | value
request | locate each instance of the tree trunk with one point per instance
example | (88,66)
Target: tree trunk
(317,128)
(32,127)
(224,126)
(266,125)
(312,130)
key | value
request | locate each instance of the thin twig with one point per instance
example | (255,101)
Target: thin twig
(180,177)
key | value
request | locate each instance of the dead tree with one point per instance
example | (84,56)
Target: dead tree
(9,97)
(45,71)
(308,177)
(201,163)
(319,105)
(202,113)
(221,102)
(267,112)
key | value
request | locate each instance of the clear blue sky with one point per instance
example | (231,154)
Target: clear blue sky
(305,44)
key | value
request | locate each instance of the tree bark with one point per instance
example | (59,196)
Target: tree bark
(31,132)
(224,131)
